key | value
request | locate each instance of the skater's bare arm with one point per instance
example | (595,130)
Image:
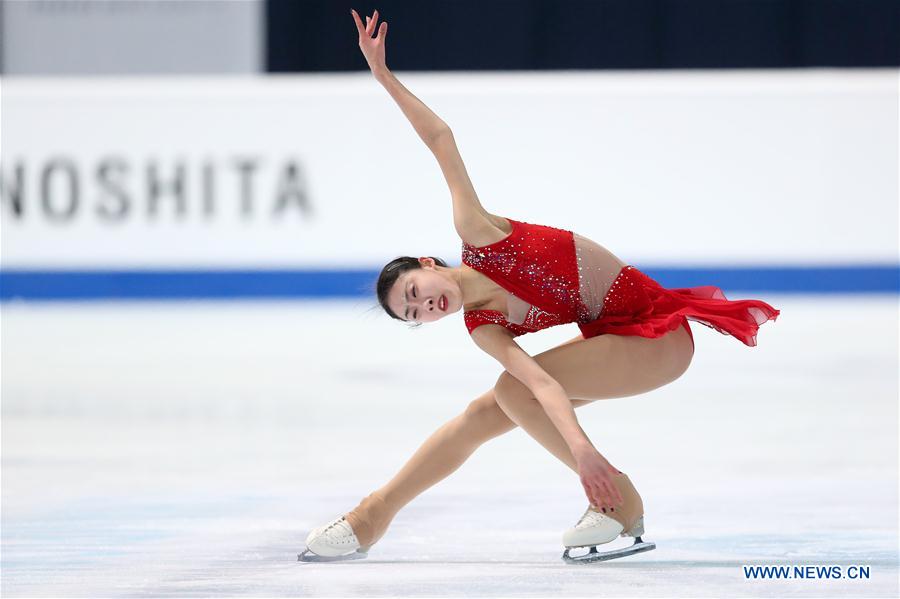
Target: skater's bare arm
(427,124)
(469,216)
(497,342)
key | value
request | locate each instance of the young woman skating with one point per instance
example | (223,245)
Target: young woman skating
(516,278)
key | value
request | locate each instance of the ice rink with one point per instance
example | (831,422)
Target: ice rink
(186,449)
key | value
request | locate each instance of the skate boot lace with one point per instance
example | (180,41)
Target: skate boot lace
(589,518)
(333,524)
(343,535)
(340,523)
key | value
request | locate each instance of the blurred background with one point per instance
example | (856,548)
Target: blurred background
(196,198)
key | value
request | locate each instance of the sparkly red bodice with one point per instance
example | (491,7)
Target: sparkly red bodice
(565,280)
(536,263)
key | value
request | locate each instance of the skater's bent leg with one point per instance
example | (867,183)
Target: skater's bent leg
(600,367)
(530,415)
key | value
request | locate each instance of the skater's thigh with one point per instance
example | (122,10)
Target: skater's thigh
(609,366)
(577,402)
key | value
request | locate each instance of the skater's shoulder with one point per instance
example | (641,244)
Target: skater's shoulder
(484,230)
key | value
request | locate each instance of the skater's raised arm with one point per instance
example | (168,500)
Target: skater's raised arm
(469,216)
(427,124)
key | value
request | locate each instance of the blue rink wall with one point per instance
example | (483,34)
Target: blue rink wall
(236,284)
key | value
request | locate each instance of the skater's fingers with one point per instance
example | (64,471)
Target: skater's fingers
(359,25)
(370,23)
(617,496)
(592,493)
(603,495)
(609,496)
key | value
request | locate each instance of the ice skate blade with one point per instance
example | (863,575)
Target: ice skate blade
(639,546)
(309,556)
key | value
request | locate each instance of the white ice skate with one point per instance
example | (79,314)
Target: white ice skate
(596,528)
(333,542)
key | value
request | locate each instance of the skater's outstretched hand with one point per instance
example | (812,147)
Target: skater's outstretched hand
(372,48)
(597,479)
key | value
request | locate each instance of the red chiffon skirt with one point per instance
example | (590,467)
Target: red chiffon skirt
(637,305)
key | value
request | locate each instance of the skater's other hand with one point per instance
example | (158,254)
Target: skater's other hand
(597,479)
(371,47)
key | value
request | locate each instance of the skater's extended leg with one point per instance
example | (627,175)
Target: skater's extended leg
(438,457)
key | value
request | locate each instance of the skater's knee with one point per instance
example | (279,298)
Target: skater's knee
(509,389)
(484,413)
(482,407)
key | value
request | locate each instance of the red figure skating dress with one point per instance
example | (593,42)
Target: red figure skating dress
(556,276)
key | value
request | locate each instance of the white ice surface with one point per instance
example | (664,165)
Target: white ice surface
(186,449)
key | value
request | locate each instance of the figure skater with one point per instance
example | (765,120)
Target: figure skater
(517,278)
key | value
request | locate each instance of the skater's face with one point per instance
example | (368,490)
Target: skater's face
(425,294)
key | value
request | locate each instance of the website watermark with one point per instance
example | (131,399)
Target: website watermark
(806,571)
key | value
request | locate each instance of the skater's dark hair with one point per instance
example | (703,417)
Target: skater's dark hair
(389,275)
